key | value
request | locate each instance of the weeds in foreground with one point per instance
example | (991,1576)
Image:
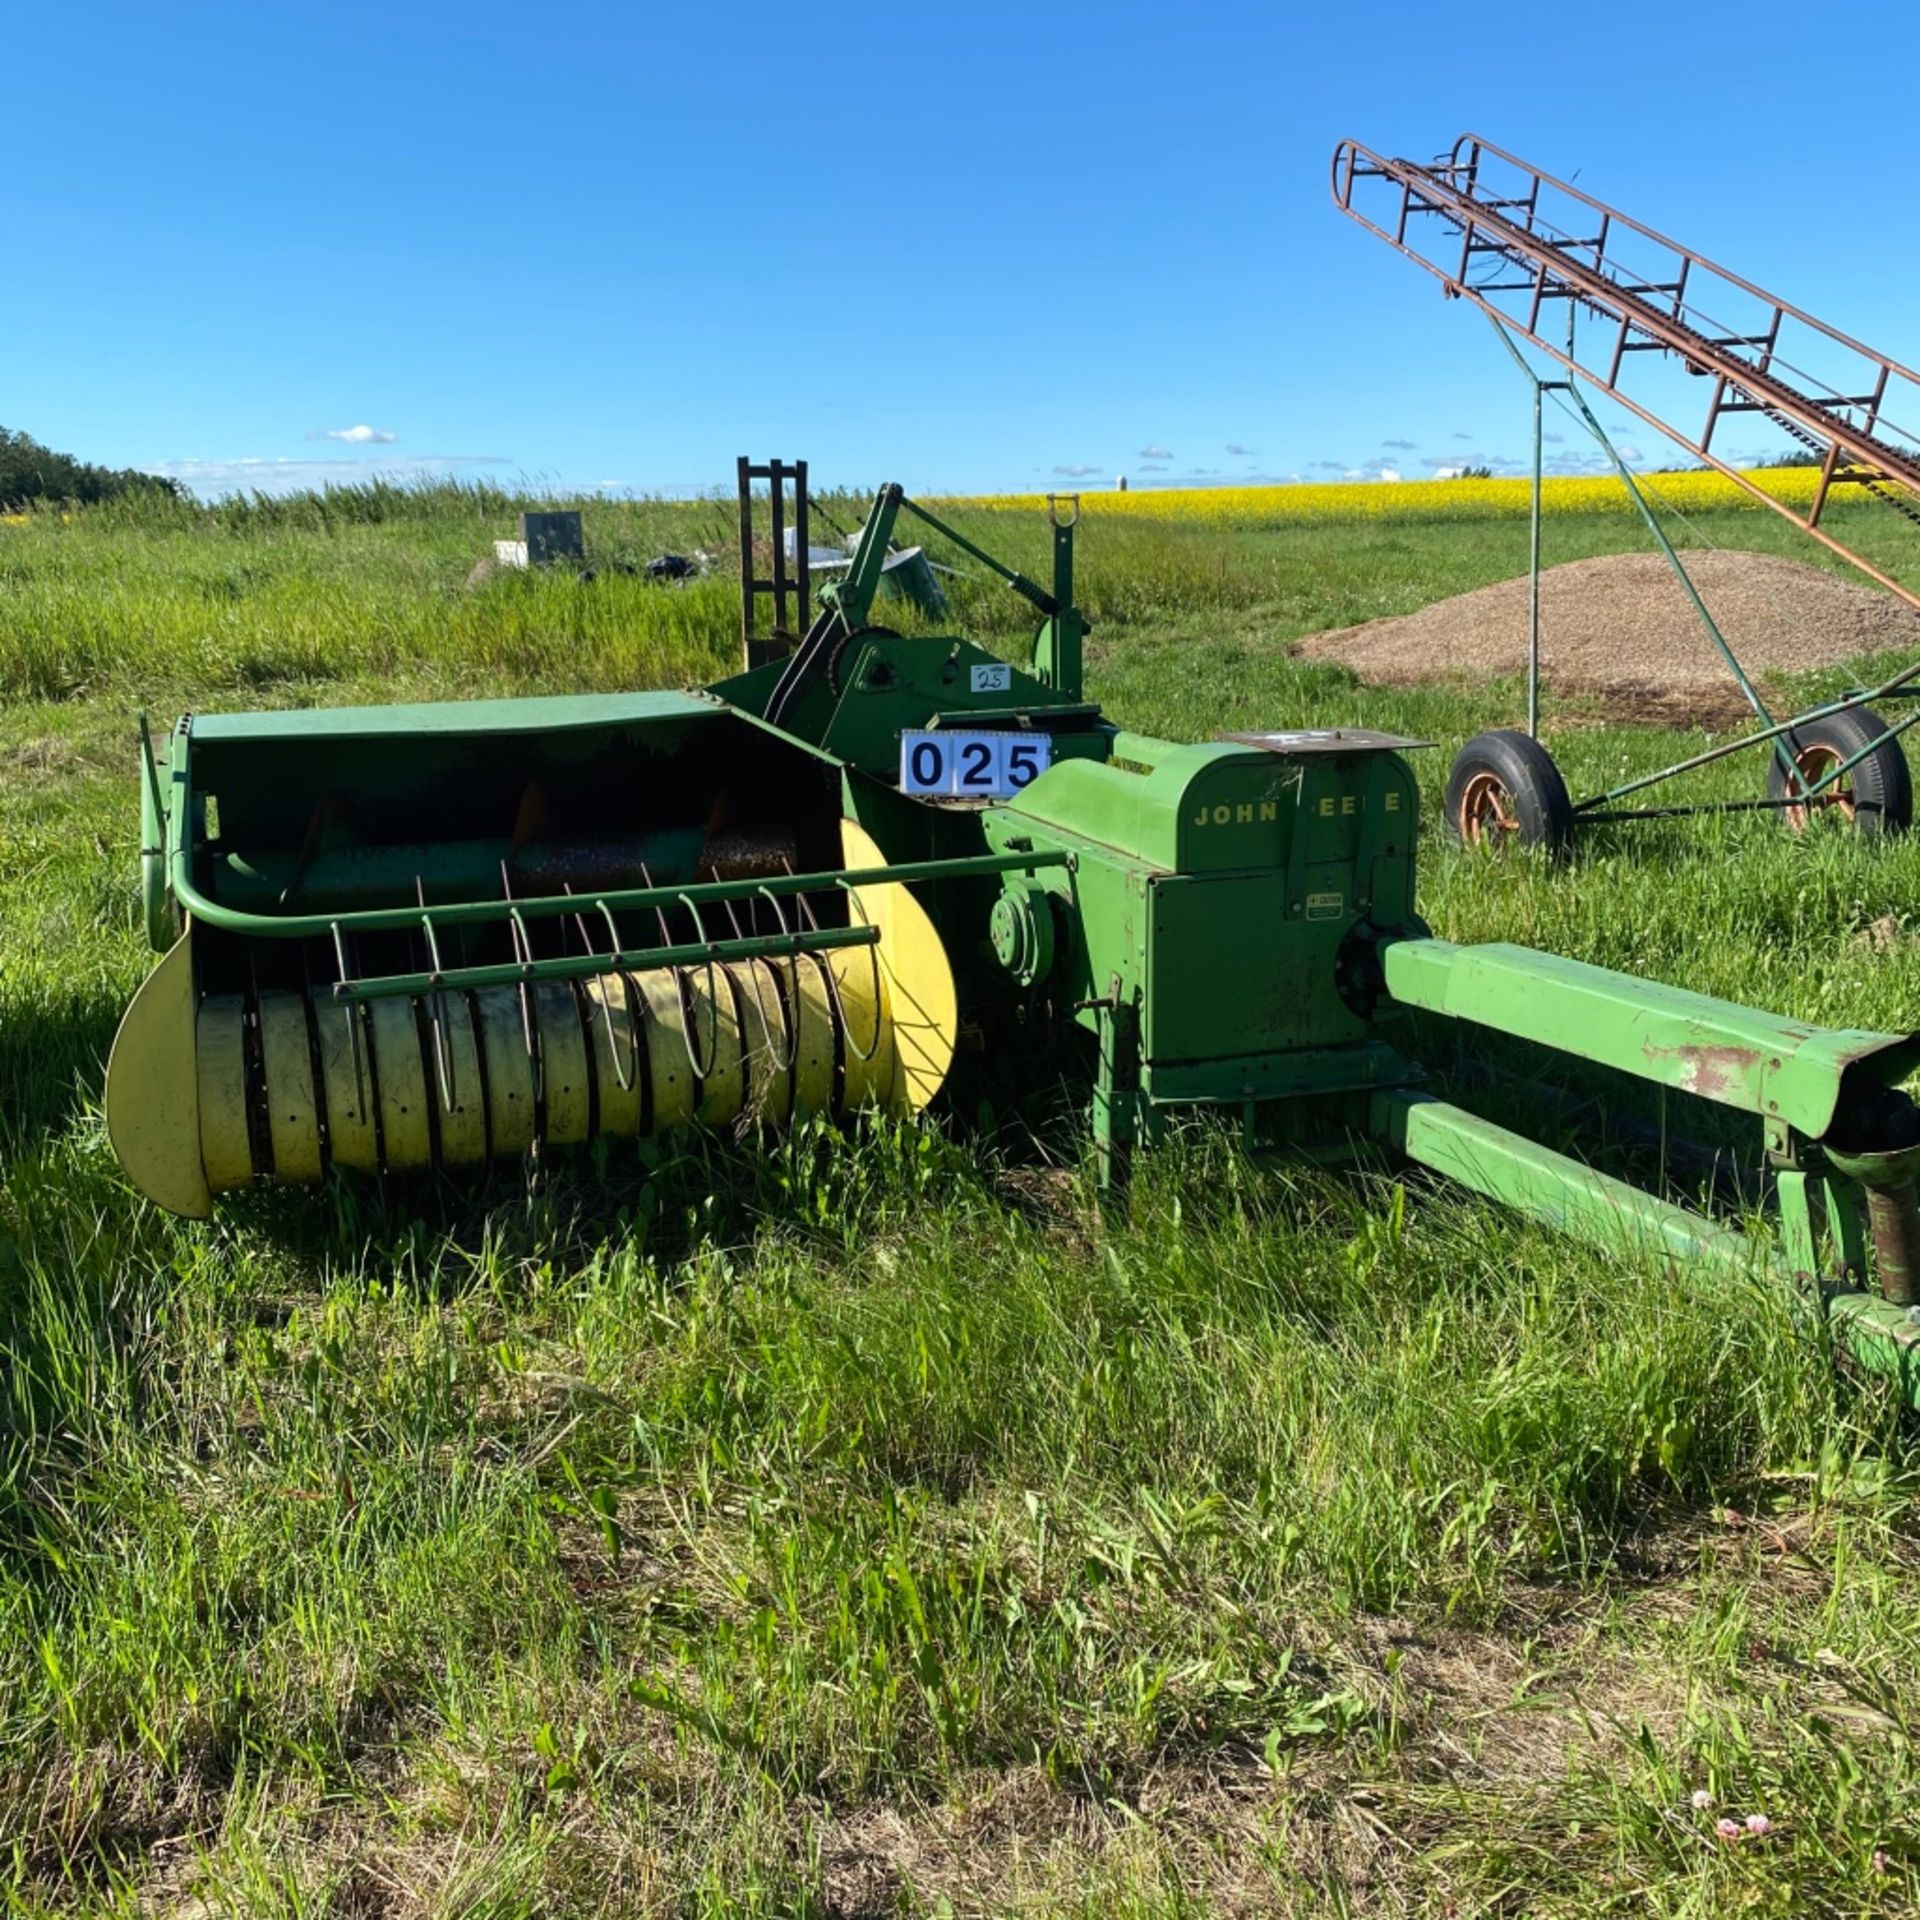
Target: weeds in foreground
(856,1525)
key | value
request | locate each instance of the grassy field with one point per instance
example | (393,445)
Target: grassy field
(839,1529)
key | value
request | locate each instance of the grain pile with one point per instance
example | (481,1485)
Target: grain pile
(1621,627)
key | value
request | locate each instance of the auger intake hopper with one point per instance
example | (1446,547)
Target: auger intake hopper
(405,938)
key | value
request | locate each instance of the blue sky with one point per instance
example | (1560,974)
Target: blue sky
(974,247)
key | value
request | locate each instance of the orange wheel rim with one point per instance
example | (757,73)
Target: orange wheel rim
(1814,764)
(1486,817)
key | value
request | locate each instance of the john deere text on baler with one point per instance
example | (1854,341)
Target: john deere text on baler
(425,937)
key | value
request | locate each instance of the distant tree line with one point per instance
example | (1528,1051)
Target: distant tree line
(30,472)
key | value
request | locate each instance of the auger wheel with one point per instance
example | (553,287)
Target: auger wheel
(1874,795)
(1504,790)
(1815,764)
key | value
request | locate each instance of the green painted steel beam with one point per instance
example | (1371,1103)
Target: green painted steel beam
(547,906)
(1550,1187)
(1760,1063)
(1881,1337)
(591,966)
(1618,1218)
(540,713)
(853,594)
(1030,591)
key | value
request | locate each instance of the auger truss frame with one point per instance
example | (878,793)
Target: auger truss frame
(1500,209)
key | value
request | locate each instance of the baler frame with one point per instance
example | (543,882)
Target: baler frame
(1224,925)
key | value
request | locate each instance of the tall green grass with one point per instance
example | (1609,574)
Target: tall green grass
(857,1525)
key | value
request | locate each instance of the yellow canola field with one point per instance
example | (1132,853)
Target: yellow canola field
(1504,499)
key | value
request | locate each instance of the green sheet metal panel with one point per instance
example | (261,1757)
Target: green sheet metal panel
(1233,971)
(1219,806)
(1216,885)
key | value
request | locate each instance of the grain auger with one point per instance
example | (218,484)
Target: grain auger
(421,937)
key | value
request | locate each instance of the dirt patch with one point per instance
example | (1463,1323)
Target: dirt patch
(46,757)
(1622,628)
(1478,1717)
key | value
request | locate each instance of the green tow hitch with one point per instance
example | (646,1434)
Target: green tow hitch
(1843,1141)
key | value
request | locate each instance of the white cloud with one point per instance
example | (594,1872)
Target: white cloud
(1239,452)
(1156,452)
(1075,471)
(356,436)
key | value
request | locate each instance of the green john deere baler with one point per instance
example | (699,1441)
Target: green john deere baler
(421,937)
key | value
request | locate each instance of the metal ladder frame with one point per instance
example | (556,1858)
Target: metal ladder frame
(785,584)
(1650,314)
(1511,228)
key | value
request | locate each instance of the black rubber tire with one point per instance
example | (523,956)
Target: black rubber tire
(1880,786)
(1518,775)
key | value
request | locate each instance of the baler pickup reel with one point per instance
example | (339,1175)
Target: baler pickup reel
(614,917)
(413,938)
